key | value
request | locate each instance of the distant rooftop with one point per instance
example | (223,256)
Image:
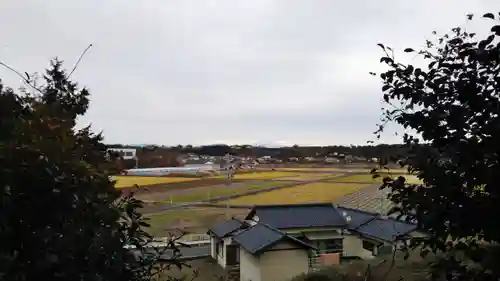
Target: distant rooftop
(298,215)
(386,229)
(225,228)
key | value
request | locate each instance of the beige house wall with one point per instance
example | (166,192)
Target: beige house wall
(283,262)
(280,263)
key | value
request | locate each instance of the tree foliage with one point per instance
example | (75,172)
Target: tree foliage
(453,103)
(61,217)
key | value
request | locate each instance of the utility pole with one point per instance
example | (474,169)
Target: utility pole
(229,166)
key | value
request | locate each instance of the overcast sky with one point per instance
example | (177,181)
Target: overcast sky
(233,71)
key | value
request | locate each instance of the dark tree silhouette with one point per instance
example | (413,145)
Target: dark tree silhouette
(61,217)
(453,103)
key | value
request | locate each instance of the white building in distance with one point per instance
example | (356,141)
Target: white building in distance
(126,153)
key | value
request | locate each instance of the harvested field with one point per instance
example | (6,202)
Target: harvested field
(369,179)
(309,193)
(312,169)
(196,219)
(129,181)
(306,177)
(207,192)
(264,175)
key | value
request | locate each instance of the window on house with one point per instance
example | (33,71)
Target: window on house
(330,245)
(128,153)
(367,245)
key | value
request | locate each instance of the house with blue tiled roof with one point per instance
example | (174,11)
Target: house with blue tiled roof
(277,242)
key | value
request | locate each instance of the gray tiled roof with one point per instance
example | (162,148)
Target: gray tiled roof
(298,216)
(385,229)
(259,237)
(225,228)
(357,217)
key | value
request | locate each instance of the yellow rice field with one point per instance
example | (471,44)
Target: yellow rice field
(263,175)
(305,177)
(309,193)
(369,179)
(128,181)
(342,169)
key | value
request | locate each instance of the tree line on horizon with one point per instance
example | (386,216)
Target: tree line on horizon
(394,151)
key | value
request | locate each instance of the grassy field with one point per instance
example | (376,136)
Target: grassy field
(197,270)
(369,179)
(208,192)
(128,181)
(309,193)
(196,219)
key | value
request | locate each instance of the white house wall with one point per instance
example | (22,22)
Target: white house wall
(249,267)
(213,246)
(353,247)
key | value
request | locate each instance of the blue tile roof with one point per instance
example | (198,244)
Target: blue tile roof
(356,217)
(225,228)
(385,229)
(298,216)
(259,237)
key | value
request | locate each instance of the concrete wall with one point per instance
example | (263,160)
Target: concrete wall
(285,263)
(249,267)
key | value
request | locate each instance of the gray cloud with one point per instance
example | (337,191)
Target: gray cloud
(185,71)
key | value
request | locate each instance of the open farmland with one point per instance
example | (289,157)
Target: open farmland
(327,169)
(210,192)
(129,181)
(349,188)
(193,219)
(308,193)
(264,175)
(306,177)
